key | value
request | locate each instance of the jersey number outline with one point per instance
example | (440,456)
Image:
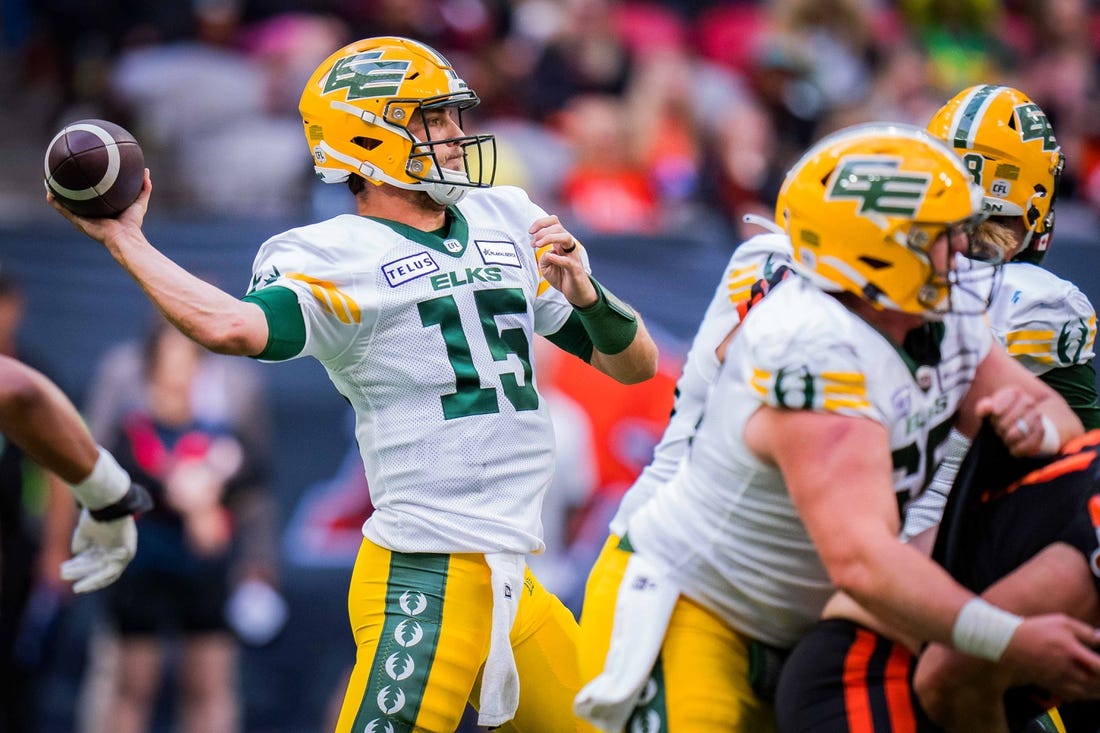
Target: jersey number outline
(911,461)
(469,397)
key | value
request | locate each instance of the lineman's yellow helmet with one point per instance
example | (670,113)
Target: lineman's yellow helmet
(358,104)
(864,207)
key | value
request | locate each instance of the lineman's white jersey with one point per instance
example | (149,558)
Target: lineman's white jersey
(430,341)
(754,259)
(725,524)
(1045,323)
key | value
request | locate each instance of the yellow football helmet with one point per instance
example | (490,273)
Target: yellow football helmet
(1007,143)
(864,207)
(356,109)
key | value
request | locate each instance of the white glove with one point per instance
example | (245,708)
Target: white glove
(101,551)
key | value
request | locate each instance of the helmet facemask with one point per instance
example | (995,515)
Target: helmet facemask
(448,185)
(971,267)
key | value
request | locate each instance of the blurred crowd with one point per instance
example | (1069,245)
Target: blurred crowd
(626,116)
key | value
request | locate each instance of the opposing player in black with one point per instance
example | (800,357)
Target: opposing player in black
(1021,531)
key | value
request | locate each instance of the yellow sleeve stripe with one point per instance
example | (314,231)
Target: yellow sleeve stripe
(740,283)
(1038,345)
(844,390)
(1092,332)
(1016,336)
(855,379)
(760,382)
(331,297)
(851,403)
(1036,352)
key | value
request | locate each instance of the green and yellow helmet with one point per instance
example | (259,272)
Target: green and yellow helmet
(1006,142)
(358,104)
(864,206)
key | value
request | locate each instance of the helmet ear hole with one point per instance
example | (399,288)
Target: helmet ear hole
(368,143)
(1032,215)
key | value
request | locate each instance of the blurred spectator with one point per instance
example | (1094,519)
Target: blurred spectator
(219,110)
(607,189)
(192,428)
(836,37)
(587,55)
(960,38)
(663,133)
(1060,75)
(901,91)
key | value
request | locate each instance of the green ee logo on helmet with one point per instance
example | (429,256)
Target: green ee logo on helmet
(879,185)
(365,75)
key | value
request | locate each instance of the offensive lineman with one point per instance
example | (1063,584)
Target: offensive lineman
(1045,323)
(831,406)
(422,310)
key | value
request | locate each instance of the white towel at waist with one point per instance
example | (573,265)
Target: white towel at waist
(643,607)
(500,678)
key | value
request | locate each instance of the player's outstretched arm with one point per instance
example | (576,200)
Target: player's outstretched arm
(37,416)
(213,318)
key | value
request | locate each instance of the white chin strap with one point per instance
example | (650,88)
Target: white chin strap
(445,193)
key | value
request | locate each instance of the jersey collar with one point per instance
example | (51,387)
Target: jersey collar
(453,243)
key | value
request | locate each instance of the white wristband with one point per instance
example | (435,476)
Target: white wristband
(107,483)
(1052,440)
(983,630)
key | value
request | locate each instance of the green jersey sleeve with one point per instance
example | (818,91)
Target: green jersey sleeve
(286,328)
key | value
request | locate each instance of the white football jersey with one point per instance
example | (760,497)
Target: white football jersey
(430,341)
(725,523)
(754,259)
(1045,323)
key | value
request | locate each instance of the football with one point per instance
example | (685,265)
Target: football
(95,168)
